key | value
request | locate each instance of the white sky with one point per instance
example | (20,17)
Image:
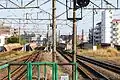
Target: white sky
(85,23)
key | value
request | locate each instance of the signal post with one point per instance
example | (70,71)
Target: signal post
(81,3)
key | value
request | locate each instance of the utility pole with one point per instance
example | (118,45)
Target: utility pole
(101,3)
(47,37)
(22,3)
(74,32)
(93,28)
(69,36)
(82,35)
(59,37)
(74,38)
(54,30)
(117,3)
(19,31)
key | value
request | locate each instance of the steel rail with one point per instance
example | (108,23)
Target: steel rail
(82,71)
(85,70)
(96,75)
(16,70)
(22,76)
(23,72)
(109,66)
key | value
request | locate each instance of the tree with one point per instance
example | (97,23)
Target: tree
(13,39)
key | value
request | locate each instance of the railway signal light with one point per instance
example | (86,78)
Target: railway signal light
(83,3)
(77,6)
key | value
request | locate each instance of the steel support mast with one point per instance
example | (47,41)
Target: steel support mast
(74,32)
(54,30)
(74,37)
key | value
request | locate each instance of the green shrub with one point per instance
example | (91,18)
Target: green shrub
(16,40)
(23,41)
(13,40)
(98,46)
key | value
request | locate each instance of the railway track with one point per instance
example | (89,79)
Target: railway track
(23,69)
(18,60)
(109,66)
(20,71)
(85,70)
(12,53)
(22,76)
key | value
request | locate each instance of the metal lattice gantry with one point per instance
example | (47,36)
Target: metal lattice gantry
(18,4)
(34,9)
(52,13)
(30,13)
(27,13)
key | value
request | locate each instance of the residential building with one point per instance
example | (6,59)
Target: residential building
(5,31)
(102,30)
(4,34)
(14,31)
(97,34)
(2,40)
(8,31)
(68,39)
(90,35)
(106,26)
(115,32)
(65,38)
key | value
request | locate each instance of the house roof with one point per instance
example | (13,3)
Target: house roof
(116,20)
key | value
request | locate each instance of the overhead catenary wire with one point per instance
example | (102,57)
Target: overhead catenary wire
(45,1)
